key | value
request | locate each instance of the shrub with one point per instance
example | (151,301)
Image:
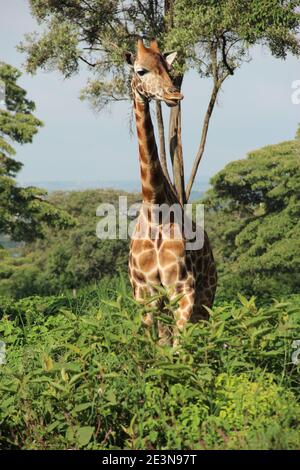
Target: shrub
(85,374)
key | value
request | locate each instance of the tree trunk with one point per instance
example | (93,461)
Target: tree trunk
(210,108)
(169,11)
(162,144)
(175,144)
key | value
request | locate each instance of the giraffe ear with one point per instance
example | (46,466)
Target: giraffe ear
(129,58)
(169,58)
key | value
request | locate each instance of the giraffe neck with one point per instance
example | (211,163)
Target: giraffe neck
(155,187)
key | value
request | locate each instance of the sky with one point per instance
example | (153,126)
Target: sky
(76,144)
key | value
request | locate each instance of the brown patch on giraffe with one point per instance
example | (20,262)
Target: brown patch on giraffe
(181,323)
(147,245)
(142,153)
(166,257)
(171,274)
(139,246)
(177,247)
(144,172)
(147,193)
(138,276)
(153,277)
(184,302)
(147,260)
(139,133)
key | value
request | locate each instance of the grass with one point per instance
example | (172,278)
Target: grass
(83,373)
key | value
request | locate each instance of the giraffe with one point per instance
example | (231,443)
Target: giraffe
(157,257)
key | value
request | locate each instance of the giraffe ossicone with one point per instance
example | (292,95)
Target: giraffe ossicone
(156,259)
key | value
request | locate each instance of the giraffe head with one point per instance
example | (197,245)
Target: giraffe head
(151,78)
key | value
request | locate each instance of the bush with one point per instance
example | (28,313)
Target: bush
(84,373)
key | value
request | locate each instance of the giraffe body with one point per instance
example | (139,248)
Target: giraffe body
(158,253)
(159,258)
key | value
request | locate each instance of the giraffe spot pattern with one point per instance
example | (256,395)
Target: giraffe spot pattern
(161,260)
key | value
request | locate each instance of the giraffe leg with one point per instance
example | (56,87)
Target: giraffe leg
(141,293)
(185,309)
(206,286)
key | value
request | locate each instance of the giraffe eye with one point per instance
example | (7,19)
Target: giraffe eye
(141,72)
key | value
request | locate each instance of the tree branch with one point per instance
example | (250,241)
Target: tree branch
(224,56)
(205,127)
(87,62)
(162,144)
(176,152)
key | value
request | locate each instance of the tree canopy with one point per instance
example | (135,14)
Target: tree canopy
(23,211)
(213,37)
(254,209)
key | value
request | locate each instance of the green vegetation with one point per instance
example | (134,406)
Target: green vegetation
(253,217)
(84,374)
(66,259)
(23,211)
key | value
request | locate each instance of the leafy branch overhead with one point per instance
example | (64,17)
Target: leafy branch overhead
(23,211)
(212,37)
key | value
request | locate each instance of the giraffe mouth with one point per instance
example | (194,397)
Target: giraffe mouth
(171,103)
(173,99)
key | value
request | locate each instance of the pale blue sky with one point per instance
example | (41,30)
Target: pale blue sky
(255,109)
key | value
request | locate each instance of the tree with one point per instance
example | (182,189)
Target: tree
(212,36)
(253,216)
(23,211)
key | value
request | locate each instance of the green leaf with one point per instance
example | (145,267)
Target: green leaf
(84,435)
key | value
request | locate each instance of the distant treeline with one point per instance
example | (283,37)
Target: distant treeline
(252,217)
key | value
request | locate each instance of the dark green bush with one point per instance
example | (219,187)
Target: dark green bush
(84,373)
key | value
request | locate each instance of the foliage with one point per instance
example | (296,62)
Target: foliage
(87,375)
(98,32)
(67,259)
(253,216)
(213,37)
(23,211)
